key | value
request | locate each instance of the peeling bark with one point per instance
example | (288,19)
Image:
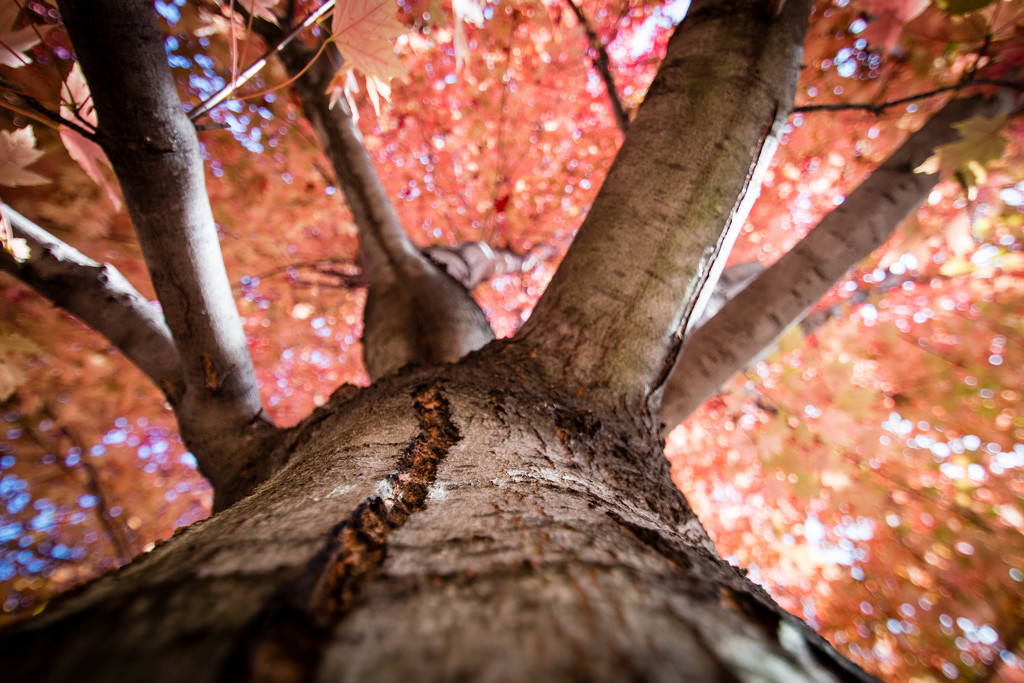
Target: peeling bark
(780,296)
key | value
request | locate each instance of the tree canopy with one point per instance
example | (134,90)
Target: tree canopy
(866,466)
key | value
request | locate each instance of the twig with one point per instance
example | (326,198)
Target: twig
(327,266)
(882,106)
(258,65)
(44,111)
(603,66)
(118,541)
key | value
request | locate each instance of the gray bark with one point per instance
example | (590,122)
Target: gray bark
(153,149)
(455,523)
(779,297)
(415,312)
(635,277)
(98,295)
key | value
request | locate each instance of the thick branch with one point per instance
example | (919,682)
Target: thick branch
(612,319)
(761,313)
(603,65)
(153,149)
(415,312)
(98,295)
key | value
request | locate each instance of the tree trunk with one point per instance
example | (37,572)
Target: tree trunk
(461,522)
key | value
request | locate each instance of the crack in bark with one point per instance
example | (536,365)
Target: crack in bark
(655,541)
(286,641)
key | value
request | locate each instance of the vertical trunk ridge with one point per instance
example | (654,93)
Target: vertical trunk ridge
(285,641)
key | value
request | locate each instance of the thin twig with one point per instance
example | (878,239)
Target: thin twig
(44,111)
(92,483)
(603,65)
(258,65)
(882,106)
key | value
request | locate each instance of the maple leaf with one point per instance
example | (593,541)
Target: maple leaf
(15,246)
(982,141)
(18,150)
(15,44)
(344,83)
(365,32)
(77,103)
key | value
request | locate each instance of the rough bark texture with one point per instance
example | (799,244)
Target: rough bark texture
(632,281)
(457,523)
(779,297)
(153,149)
(415,312)
(98,295)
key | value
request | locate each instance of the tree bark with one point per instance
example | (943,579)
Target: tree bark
(415,312)
(756,317)
(98,295)
(462,522)
(154,151)
(635,277)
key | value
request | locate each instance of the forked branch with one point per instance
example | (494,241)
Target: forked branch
(153,149)
(779,297)
(415,312)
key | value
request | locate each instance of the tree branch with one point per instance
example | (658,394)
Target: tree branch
(603,65)
(414,311)
(153,149)
(473,263)
(762,312)
(98,295)
(610,323)
(882,106)
(254,68)
(45,112)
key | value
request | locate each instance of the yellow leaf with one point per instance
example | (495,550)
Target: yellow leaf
(981,142)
